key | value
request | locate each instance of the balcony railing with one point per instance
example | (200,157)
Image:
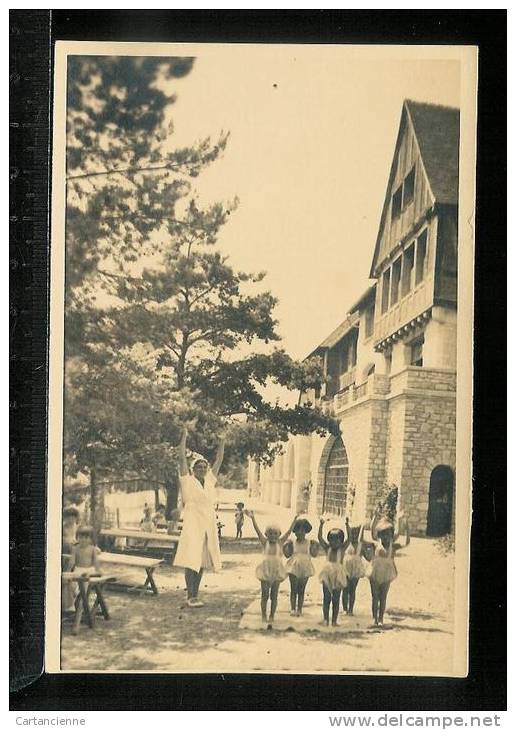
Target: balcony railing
(410,306)
(346,379)
(439,380)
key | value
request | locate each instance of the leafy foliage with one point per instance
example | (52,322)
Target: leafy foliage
(161,331)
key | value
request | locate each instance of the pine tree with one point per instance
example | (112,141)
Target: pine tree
(180,337)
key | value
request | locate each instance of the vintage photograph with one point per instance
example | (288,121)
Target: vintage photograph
(261,346)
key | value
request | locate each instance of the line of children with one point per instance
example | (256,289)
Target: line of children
(344,566)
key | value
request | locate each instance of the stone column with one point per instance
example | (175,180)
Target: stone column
(276,491)
(286,492)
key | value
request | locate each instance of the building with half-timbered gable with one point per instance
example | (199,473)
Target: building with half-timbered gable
(390,366)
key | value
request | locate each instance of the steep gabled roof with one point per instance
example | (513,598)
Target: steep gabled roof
(337,334)
(437,133)
(365,299)
(436,129)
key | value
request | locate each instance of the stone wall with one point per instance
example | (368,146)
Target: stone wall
(429,441)
(397,432)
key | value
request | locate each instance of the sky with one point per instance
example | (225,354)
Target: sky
(312,135)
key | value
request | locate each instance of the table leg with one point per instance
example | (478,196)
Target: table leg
(101,602)
(149,581)
(82,607)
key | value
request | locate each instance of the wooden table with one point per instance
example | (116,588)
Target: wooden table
(151,544)
(88,584)
(150,564)
(163,537)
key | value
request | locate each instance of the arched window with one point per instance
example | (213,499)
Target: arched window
(336,479)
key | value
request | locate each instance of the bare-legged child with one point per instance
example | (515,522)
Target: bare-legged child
(299,565)
(271,571)
(355,567)
(333,574)
(383,570)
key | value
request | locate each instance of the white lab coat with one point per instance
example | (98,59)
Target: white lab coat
(199,521)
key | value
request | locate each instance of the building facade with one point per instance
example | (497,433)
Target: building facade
(390,367)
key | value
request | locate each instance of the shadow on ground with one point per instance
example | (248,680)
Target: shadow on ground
(153,624)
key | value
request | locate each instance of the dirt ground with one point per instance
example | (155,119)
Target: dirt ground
(159,633)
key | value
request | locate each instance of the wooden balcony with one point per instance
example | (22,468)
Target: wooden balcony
(413,304)
(347,379)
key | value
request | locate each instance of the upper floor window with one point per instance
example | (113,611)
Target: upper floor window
(421,257)
(388,361)
(385,290)
(396,202)
(369,321)
(416,352)
(408,269)
(395,281)
(408,188)
(404,194)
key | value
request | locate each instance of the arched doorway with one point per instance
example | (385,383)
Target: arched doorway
(440,502)
(335,479)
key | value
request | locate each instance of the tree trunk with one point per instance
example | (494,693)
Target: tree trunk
(172,487)
(96,501)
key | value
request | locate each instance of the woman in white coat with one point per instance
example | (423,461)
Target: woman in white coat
(198,547)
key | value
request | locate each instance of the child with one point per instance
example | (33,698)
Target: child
(271,571)
(85,553)
(333,574)
(69,589)
(299,566)
(239,519)
(220,525)
(146,523)
(84,561)
(173,522)
(383,569)
(354,565)
(70,522)
(159,520)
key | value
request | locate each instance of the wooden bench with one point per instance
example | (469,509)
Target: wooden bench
(88,584)
(150,565)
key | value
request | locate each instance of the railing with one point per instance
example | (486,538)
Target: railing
(360,391)
(346,379)
(416,378)
(376,384)
(327,406)
(410,306)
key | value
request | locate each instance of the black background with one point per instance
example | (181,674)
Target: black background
(32,34)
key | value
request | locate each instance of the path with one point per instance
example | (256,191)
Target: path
(158,633)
